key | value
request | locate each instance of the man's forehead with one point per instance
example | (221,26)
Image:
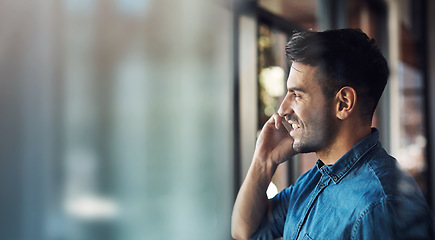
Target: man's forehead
(302,67)
(293,66)
(300,74)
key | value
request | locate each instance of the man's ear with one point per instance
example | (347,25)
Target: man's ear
(346,101)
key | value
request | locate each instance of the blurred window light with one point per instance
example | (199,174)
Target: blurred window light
(272,84)
(271,191)
(272,79)
(91,207)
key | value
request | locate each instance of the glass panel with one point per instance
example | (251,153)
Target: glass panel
(118,120)
(147,125)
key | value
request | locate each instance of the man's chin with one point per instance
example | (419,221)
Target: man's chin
(299,147)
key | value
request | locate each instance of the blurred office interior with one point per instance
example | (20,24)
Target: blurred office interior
(128,119)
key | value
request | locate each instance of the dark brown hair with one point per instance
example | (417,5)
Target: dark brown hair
(344,57)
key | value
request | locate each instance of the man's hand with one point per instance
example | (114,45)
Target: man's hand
(274,146)
(275,143)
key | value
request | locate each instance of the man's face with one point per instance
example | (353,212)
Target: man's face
(307,110)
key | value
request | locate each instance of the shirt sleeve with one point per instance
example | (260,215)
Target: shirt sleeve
(272,227)
(393,219)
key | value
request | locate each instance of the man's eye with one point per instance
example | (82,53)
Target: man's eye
(296,95)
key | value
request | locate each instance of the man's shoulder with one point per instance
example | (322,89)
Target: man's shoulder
(385,176)
(393,201)
(388,190)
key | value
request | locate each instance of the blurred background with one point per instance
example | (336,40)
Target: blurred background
(137,119)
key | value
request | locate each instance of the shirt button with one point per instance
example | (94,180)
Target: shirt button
(299,225)
(322,185)
(335,178)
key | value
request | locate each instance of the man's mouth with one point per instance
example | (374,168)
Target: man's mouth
(294,128)
(292,121)
(290,125)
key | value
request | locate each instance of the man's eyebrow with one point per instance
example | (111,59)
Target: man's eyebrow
(295,89)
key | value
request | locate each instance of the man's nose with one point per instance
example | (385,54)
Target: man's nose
(285,107)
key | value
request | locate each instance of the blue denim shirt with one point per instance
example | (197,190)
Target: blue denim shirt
(364,195)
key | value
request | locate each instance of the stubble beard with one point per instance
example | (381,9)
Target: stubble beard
(318,133)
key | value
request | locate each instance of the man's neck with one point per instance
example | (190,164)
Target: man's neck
(346,138)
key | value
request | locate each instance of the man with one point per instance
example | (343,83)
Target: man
(356,190)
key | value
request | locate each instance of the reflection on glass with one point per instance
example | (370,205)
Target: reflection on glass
(411,154)
(411,151)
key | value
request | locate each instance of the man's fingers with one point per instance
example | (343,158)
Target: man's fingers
(278,120)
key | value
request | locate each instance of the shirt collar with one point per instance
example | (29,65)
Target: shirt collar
(343,166)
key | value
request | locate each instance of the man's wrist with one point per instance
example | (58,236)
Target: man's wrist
(264,166)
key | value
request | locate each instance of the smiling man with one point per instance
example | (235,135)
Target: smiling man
(356,190)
